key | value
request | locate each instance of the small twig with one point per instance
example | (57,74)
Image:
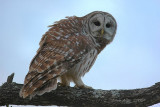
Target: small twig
(10,78)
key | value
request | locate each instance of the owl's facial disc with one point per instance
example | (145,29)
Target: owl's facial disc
(102,26)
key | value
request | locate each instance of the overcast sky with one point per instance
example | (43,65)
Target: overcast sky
(131,61)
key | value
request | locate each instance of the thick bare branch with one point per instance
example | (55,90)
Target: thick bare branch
(69,96)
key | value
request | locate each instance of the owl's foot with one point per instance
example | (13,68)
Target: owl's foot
(63,85)
(83,86)
(64,81)
(79,83)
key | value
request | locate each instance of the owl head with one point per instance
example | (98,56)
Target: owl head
(101,26)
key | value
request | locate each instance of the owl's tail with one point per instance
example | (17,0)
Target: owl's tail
(46,87)
(37,83)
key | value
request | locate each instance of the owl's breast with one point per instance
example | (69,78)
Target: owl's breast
(85,64)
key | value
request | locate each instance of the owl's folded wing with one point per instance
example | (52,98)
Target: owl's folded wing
(54,58)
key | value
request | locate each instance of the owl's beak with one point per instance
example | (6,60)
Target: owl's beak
(102,32)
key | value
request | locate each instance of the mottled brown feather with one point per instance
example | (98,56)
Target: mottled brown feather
(55,50)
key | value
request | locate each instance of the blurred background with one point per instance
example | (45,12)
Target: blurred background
(131,61)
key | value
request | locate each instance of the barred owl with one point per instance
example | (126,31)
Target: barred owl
(67,52)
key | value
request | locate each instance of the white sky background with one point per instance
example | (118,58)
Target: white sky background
(131,61)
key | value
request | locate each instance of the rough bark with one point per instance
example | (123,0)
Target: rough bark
(70,96)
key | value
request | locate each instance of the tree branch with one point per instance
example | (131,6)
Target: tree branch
(70,96)
(10,78)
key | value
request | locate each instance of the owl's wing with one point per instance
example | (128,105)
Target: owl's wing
(54,58)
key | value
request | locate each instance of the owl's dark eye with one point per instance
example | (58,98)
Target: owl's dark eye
(97,23)
(108,25)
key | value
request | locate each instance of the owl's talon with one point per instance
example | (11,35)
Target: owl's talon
(62,85)
(88,87)
(83,86)
(59,84)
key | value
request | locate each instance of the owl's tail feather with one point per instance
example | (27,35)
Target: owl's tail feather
(46,87)
(38,83)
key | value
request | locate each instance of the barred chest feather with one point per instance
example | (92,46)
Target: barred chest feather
(85,64)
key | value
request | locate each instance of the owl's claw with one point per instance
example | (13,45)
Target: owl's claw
(83,86)
(59,84)
(63,85)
